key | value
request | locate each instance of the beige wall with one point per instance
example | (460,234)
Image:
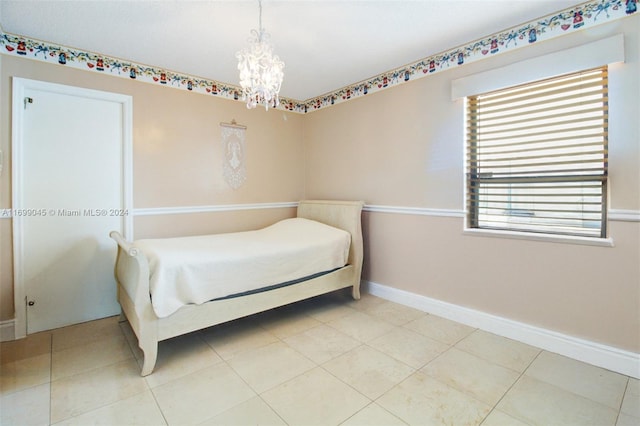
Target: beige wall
(405,147)
(165,226)
(177,157)
(399,147)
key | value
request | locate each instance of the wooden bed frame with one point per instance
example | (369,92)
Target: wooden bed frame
(132,276)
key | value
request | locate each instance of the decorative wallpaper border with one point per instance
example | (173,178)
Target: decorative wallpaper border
(577,18)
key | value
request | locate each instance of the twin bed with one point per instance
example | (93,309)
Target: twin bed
(169,287)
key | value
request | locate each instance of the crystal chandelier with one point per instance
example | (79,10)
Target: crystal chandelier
(260,70)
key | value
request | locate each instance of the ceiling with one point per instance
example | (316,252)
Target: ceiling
(325,44)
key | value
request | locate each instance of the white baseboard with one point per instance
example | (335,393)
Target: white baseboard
(7,330)
(614,359)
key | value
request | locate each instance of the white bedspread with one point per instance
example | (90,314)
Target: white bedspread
(198,269)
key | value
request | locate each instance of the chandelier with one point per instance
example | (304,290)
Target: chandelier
(260,70)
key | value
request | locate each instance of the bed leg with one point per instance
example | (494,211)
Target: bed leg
(355,292)
(150,355)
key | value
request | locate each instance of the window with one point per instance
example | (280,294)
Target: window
(537,157)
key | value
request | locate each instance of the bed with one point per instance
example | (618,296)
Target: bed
(136,273)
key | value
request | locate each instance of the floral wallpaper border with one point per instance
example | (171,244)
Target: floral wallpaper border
(579,17)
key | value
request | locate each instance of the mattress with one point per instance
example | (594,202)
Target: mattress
(194,270)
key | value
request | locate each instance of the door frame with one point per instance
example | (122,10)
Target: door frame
(20,86)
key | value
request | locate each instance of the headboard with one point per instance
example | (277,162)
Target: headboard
(340,214)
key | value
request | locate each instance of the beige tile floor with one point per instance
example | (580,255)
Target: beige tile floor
(327,361)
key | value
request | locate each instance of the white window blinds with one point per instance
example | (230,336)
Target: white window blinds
(537,156)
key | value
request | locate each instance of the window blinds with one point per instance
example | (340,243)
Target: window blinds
(537,156)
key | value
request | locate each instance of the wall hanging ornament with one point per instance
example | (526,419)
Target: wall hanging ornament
(233,147)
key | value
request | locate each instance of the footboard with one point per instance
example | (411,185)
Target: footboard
(132,275)
(132,270)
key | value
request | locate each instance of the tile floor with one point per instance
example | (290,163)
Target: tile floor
(327,361)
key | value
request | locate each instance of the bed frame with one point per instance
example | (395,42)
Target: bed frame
(132,276)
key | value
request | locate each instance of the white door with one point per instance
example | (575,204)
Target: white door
(70,190)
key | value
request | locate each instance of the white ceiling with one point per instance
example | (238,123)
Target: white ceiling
(325,44)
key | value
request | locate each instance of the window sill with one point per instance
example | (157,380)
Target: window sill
(564,239)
